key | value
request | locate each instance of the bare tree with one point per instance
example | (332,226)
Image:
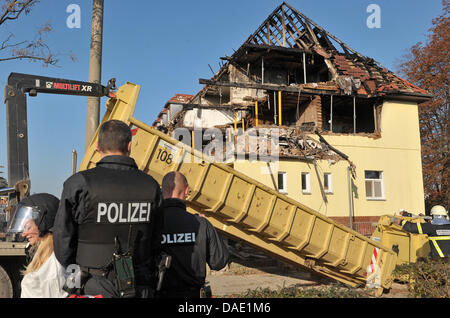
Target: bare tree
(35,49)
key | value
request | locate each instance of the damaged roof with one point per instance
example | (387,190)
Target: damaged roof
(288,31)
(176,99)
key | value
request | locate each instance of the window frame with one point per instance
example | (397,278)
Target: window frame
(372,180)
(307,181)
(284,189)
(329,177)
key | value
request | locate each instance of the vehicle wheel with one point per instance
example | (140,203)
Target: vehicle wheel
(6,288)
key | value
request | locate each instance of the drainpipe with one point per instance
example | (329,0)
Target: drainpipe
(350,196)
(256,113)
(279,108)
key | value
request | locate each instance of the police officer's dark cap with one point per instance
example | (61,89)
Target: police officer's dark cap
(48,206)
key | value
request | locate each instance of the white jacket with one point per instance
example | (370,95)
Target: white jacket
(46,282)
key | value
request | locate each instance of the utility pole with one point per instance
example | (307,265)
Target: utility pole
(95,69)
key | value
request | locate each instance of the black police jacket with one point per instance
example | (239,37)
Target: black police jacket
(113,200)
(192,242)
(438,236)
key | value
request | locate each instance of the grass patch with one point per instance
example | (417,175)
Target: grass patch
(332,291)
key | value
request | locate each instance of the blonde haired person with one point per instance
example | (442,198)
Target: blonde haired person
(44,276)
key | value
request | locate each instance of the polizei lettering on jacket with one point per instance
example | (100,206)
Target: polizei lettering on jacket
(178,238)
(130,212)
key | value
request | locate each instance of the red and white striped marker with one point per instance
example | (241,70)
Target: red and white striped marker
(374,259)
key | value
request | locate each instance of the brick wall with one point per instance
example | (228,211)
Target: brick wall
(364,225)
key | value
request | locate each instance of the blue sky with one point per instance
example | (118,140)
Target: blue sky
(166,47)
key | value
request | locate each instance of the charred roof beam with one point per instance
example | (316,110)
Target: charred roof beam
(271,87)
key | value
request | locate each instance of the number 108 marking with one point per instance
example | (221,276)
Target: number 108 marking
(164,156)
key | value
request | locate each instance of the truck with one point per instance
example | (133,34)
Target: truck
(13,249)
(238,206)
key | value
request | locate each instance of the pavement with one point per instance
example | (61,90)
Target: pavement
(228,284)
(232,285)
(251,270)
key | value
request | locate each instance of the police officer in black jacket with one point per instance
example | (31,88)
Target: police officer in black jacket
(190,239)
(112,208)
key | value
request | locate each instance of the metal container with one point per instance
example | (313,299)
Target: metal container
(243,208)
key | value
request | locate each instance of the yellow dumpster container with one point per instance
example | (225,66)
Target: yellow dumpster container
(410,246)
(245,209)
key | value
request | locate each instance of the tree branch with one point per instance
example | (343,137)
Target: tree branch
(14,9)
(19,57)
(35,50)
(4,44)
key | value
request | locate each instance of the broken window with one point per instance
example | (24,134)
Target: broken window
(347,114)
(334,113)
(277,65)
